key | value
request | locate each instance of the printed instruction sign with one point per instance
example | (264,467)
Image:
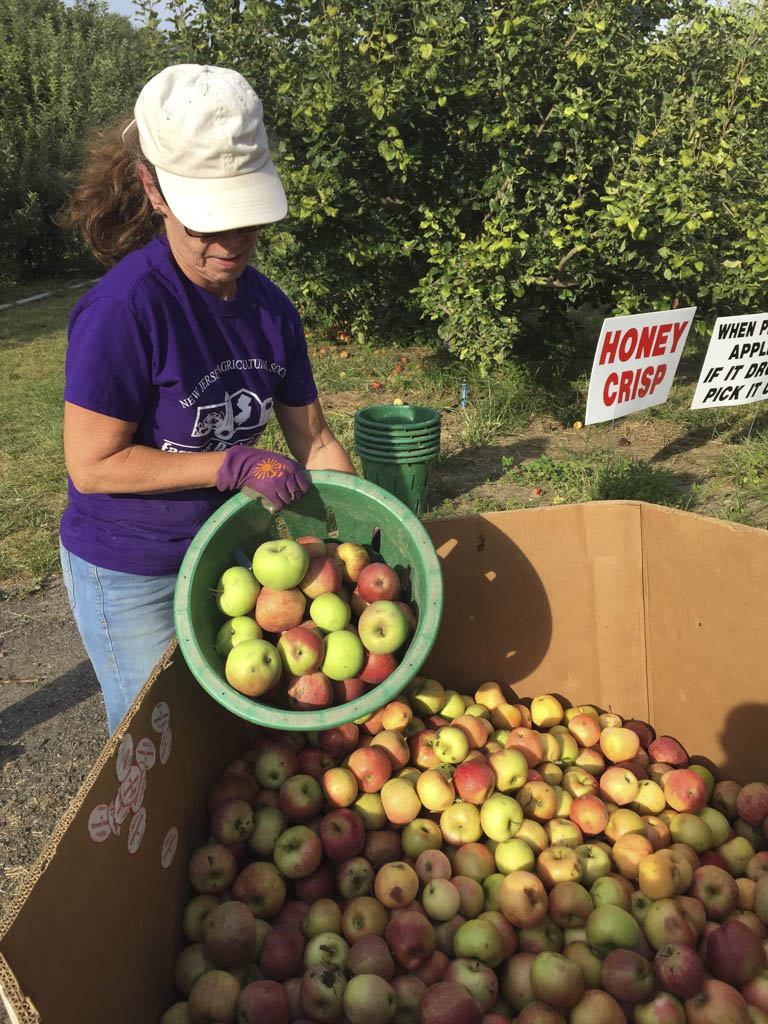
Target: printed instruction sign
(635,362)
(735,369)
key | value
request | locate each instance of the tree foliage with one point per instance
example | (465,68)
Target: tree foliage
(61,70)
(466,170)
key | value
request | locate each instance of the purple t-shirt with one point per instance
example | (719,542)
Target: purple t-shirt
(196,373)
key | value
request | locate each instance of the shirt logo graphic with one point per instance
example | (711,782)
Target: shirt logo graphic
(243,411)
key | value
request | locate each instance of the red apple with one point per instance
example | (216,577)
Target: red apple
(378,582)
(448,1002)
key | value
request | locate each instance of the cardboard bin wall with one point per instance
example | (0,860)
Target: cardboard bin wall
(638,609)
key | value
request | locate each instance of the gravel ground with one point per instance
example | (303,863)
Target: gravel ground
(52,725)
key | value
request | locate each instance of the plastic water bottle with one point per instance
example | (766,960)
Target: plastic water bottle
(464,393)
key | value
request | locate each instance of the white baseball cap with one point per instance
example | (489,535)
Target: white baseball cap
(203,130)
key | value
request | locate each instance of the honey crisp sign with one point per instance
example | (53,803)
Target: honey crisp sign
(735,369)
(635,362)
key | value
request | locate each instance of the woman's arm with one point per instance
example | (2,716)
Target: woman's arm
(310,439)
(101,458)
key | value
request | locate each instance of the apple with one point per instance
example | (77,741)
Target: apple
(474,860)
(611,927)
(435,789)
(363,915)
(716,1003)
(214,997)
(264,1000)
(514,855)
(716,890)
(280,564)
(629,851)
(410,936)
(261,886)
(569,904)
(378,582)
(371,955)
(724,797)
(449,1002)
(597,1007)
(737,853)
(342,834)
(618,743)
(538,800)
(377,667)
(461,823)
(558,864)
(323,915)
(280,610)
(234,631)
(369,999)
(370,810)
(668,750)
(400,801)
(618,785)
(323,576)
(752,803)
(501,817)
(300,798)
(353,559)
(665,921)
(383,627)
(556,980)
(478,939)
(451,744)
(236,591)
(396,884)
(409,989)
(339,786)
(212,868)
(330,612)
(232,822)
(315,546)
(322,993)
(343,655)
(662,1008)
(326,948)
(471,895)
(595,862)
(276,762)
(382,846)
(735,954)
(627,976)
(679,969)
(253,667)
(370,767)
(440,899)
(685,790)
(298,852)
(528,743)
(268,824)
(228,934)
(477,978)
(339,740)
(283,952)
(301,650)
(523,899)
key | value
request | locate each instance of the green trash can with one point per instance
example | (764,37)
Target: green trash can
(397,446)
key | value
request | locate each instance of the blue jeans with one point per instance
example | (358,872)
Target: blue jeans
(126,623)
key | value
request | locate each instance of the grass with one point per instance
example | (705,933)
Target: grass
(496,452)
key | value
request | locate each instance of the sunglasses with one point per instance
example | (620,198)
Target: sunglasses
(206,236)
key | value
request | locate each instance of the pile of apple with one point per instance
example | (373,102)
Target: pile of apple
(311,623)
(477,860)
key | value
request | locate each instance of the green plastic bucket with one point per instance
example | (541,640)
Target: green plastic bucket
(407,479)
(399,440)
(397,418)
(336,505)
(412,455)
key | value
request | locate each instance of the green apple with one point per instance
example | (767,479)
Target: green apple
(426,696)
(595,862)
(501,817)
(491,885)
(280,564)
(253,666)
(383,628)
(610,927)
(236,591)
(479,940)
(514,855)
(451,744)
(453,706)
(234,631)
(719,825)
(330,612)
(344,655)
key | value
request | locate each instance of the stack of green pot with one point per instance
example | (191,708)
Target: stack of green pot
(397,445)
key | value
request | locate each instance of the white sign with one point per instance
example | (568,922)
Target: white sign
(635,362)
(735,369)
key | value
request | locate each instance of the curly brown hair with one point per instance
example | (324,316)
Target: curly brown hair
(108,204)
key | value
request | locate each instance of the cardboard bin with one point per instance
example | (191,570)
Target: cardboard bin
(643,610)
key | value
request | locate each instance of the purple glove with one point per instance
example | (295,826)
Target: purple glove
(262,474)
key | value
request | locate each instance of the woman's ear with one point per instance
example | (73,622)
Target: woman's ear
(153,192)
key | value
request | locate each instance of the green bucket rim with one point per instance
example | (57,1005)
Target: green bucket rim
(251,710)
(393,458)
(397,439)
(395,417)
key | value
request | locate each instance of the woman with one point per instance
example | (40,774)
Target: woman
(176,359)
